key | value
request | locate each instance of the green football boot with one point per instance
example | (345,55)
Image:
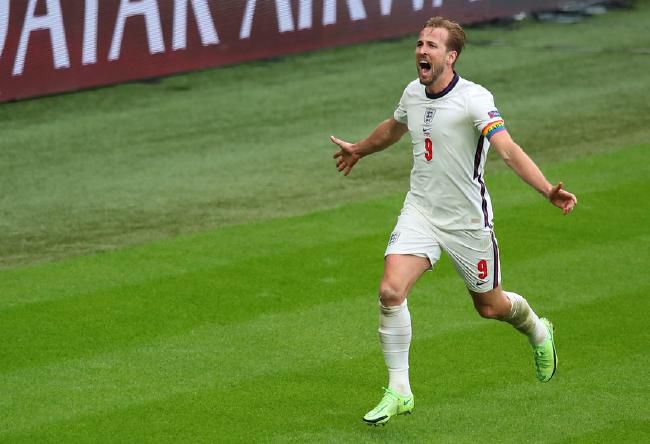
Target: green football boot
(392,404)
(545,355)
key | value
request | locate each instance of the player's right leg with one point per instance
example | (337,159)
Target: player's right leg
(411,251)
(400,274)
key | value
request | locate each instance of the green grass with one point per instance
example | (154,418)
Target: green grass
(277,341)
(231,293)
(126,165)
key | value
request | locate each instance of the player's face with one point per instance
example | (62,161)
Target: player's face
(431,55)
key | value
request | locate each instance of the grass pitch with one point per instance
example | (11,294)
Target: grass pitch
(258,322)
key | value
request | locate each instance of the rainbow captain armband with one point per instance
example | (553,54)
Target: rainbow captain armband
(492,128)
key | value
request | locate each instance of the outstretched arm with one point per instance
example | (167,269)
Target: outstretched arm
(387,133)
(525,168)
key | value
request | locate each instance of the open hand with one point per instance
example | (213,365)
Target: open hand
(562,198)
(346,157)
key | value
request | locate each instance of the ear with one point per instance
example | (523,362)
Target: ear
(451,57)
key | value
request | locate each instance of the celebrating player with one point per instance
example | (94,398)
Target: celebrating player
(452,123)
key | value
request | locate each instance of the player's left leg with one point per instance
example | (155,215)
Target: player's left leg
(475,254)
(515,310)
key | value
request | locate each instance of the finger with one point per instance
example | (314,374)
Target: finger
(335,140)
(566,207)
(340,162)
(338,154)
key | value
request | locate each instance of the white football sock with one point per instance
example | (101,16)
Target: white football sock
(524,319)
(395,338)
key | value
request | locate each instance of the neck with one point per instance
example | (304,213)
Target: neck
(443,81)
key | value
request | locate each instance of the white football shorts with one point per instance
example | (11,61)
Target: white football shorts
(474,253)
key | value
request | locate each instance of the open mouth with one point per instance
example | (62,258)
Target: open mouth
(425,66)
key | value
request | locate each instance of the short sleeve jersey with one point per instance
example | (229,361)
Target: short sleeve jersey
(450,133)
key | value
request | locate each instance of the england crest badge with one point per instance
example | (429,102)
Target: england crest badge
(428,115)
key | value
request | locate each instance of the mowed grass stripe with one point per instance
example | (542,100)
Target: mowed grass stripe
(460,375)
(189,254)
(173,356)
(222,356)
(229,245)
(76,326)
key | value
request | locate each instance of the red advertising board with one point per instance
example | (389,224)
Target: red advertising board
(50,46)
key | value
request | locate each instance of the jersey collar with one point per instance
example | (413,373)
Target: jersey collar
(445,91)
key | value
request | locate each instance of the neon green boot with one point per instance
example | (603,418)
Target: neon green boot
(545,355)
(392,404)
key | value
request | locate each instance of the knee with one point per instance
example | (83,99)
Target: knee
(492,305)
(389,296)
(489,311)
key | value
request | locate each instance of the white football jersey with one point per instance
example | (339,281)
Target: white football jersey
(450,132)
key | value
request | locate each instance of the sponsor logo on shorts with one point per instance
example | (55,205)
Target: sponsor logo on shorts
(393,238)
